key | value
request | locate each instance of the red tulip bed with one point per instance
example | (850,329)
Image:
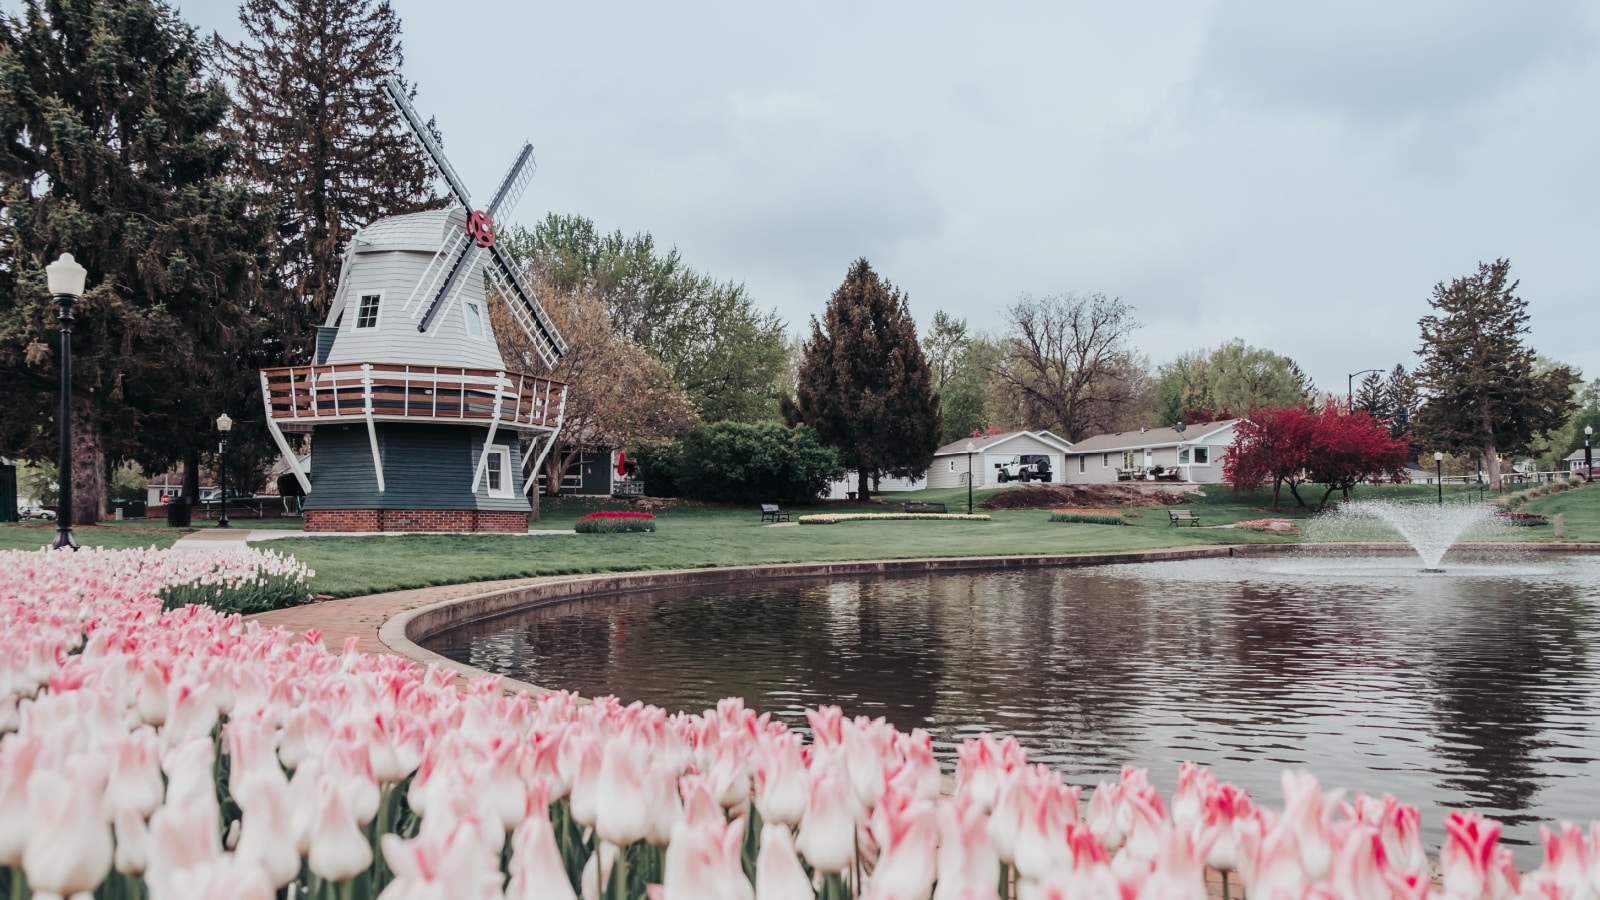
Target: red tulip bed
(188,753)
(613,522)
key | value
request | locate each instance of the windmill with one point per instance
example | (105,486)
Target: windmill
(417,422)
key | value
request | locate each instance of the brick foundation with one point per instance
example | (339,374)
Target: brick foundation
(456,520)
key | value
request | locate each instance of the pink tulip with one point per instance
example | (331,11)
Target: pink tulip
(1223,806)
(586,754)
(1308,813)
(864,759)
(1012,803)
(1569,861)
(339,851)
(266,839)
(537,872)
(984,765)
(827,833)
(779,875)
(702,863)
(968,868)
(181,837)
(1269,858)
(620,817)
(133,842)
(19,755)
(135,778)
(906,830)
(444,865)
(1467,860)
(225,876)
(781,783)
(1041,839)
(69,850)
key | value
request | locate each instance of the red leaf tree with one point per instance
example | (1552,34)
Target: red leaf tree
(1292,445)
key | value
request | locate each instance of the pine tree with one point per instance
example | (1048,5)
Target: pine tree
(1483,393)
(1400,392)
(865,385)
(1372,399)
(322,144)
(111,149)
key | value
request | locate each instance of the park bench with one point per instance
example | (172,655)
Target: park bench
(1174,516)
(771,512)
(925,508)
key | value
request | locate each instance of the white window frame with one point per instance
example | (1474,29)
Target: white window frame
(469,310)
(503,454)
(1183,456)
(952,465)
(1082,462)
(1105,460)
(377,311)
(1196,455)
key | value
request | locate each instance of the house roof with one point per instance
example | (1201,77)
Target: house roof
(1153,437)
(990,441)
(1577,454)
(420,231)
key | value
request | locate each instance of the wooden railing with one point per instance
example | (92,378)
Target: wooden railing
(298,397)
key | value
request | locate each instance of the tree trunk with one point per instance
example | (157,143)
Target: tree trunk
(88,465)
(1491,461)
(864,490)
(191,476)
(1295,490)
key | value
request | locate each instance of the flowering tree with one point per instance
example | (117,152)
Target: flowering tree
(1293,445)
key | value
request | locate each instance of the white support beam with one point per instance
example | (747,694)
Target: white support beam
(372,428)
(281,441)
(550,441)
(494,425)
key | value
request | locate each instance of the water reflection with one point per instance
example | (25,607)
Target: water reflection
(1449,692)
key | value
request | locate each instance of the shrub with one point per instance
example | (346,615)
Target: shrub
(1521,519)
(657,468)
(615,522)
(732,462)
(1088,518)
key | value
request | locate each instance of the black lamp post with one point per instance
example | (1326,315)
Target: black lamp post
(224,425)
(65,278)
(1438,473)
(970,447)
(1588,456)
(1350,388)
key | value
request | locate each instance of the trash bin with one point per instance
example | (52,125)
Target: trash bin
(178,512)
(137,510)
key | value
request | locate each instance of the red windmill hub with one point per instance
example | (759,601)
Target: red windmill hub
(481,229)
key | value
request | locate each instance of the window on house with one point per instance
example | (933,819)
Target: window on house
(474,319)
(367,311)
(1128,459)
(952,465)
(1105,460)
(497,472)
(1202,456)
(1082,461)
(1183,456)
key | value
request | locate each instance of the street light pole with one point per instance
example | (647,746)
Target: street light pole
(970,447)
(1350,388)
(65,278)
(1588,456)
(1438,473)
(224,425)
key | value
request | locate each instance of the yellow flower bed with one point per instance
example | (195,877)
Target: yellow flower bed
(833,518)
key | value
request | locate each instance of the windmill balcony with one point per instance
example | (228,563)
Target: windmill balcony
(300,397)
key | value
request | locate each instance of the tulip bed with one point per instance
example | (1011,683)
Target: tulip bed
(615,522)
(835,518)
(187,753)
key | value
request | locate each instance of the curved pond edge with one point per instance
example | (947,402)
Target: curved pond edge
(403,633)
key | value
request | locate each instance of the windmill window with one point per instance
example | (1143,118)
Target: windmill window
(474,320)
(367,311)
(497,472)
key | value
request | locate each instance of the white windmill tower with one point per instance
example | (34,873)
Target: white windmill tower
(417,422)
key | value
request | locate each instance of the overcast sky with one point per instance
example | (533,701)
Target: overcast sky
(1297,175)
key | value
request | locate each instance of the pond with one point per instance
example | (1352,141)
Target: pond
(1474,689)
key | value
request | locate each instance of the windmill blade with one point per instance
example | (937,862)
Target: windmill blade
(529,315)
(515,182)
(397,95)
(452,285)
(444,260)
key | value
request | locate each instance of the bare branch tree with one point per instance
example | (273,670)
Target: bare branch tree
(1067,361)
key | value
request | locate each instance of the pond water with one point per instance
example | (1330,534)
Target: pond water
(1474,689)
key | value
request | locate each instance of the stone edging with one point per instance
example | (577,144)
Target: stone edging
(402,633)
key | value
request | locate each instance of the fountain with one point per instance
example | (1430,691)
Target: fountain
(1430,529)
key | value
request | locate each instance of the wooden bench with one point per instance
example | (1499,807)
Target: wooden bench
(770,512)
(1174,516)
(925,508)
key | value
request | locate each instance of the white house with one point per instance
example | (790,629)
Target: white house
(1192,455)
(949,468)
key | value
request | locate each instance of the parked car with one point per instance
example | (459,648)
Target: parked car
(36,512)
(214,495)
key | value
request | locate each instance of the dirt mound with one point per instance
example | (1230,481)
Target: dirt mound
(1093,496)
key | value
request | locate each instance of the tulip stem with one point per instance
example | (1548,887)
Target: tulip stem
(1225,884)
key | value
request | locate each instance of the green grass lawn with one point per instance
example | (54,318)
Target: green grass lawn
(695,536)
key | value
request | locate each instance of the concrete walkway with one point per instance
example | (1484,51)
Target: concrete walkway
(214,538)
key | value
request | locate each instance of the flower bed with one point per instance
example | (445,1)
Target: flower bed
(835,518)
(1089,516)
(190,754)
(1521,519)
(615,522)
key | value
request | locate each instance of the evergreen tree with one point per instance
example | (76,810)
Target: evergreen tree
(322,144)
(1483,392)
(1372,399)
(110,149)
(1302,381)
(1400,392)
(865,385)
